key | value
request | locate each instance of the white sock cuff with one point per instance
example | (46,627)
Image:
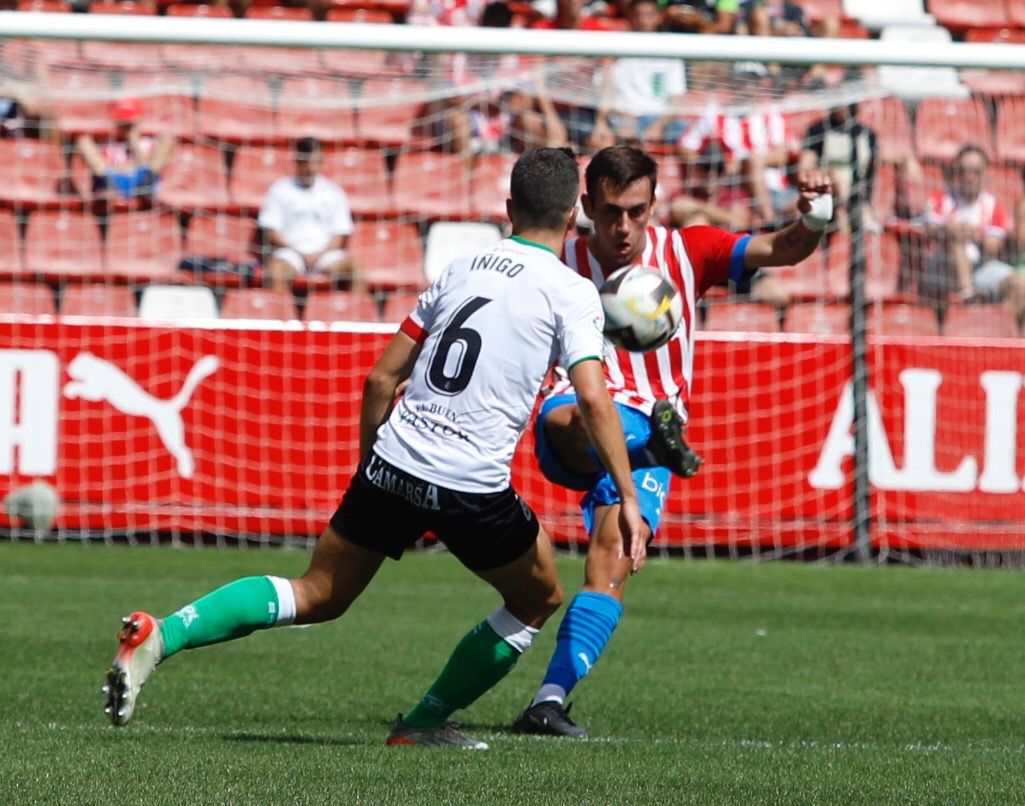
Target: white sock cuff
(286,601)
(511,630)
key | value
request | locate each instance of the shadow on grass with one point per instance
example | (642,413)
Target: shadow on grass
(278,738)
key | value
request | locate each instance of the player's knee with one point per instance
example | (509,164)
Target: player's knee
(315,602)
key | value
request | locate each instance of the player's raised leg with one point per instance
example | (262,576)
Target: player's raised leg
(338,572)
(531,593)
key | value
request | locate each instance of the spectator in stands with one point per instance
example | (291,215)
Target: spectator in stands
(638,93)
(966,232)
(23,116)
(127,164)
(846,149)
(307,222)
(700,16)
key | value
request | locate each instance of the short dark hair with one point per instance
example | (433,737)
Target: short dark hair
(305,146)
(971,148)
(619,165)
(544,187)
(496,15)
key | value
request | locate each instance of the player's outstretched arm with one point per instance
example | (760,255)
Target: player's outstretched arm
(392,368)
(606,434)
(796,241)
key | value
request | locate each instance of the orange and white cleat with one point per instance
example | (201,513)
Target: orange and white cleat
(140,649)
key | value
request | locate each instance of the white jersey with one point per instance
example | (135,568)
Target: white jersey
(491,326)
(307,218)
(694,259)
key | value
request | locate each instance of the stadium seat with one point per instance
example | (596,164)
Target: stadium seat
(318,107)
(386,113)
(876,14)
(889,118)
(30,299)
(115,56)
(238,109)
(1010,130)
(197,10)
(10,246)
(340,306)
(202,58)
(993,82)
(143,245)
(448,240)
(122,7)
(830,319)
(397,8)
(168,105)
(258,303)
(81,100)
(278,13)
(363,174)
(60,243)
(994,320)
(882,267)
(32,174)
(176,302)
(389,253)
(919,82)
(755,317)
(196,178)
(366,64)
(962,15)
(430,185)
(398,306)
(1016,13)
(1010,36)
(902,319)
(285,61)
(944,125)
(256,168)
(367,16)
(1005,182)
(808,280)
(489,185)
(48,6)
(97,299)
(224,237)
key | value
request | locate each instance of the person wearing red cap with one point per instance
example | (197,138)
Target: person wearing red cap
(127,163)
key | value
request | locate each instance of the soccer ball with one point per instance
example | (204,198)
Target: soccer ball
(643,309)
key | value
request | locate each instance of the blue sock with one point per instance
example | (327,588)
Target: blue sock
(583,634)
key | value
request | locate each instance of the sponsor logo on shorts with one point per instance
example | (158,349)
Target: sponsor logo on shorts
(419,493)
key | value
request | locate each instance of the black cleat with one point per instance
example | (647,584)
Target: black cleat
(667,445)
(549,719)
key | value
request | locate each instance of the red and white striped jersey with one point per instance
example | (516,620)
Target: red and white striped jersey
(985,214)
(695,259)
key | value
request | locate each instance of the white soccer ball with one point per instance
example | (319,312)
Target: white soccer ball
(643,309)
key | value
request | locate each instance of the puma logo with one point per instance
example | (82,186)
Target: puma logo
(94,379)
(586,661)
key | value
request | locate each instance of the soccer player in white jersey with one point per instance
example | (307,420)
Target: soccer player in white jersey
(475,352)
(651,391)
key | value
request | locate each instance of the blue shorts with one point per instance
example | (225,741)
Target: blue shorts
(652,482)
(139,182)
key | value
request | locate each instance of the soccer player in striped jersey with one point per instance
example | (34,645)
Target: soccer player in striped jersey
(475,352)
(651,391)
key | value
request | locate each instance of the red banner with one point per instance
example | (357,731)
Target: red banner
(238,430)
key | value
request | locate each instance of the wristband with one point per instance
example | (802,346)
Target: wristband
(820,214)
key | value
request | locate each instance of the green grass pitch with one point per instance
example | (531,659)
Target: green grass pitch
(727,683)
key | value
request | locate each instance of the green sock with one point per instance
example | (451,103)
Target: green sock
(232,611)
(480,660)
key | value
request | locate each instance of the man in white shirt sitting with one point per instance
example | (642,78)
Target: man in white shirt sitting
(307,222)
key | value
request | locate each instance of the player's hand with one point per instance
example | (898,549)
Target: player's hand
(812,183)
(631,526)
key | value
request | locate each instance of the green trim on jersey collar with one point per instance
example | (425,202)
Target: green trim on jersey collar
(582,360)
(525,242)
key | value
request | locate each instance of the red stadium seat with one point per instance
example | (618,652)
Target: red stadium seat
(374,16)
(143,246)
(120,55)
(831,319)
(397,8)
(31,299)
(318,107)
(1010,130)
(994,82)
(63,244)
(225,237)
(1005,182)
(197,10)
(206,58)
(943,125)
(1012,36)
(386,114)
(50,6)
(398,306)
(808,280)
(994,320)
(256,168)
(430,185)
(816,10)
(258,303)
(489,185)
(355,63)
(902,319)
(286,61)
(340,306)
(742,316)
(278,13)
(888,117)
(122,7)
(884,191)
(882,267)
(238,109)
(32,174)
(363,174)
(963,15)
(10,246)
(389,253)
(167,103)
(81,100)
(196,178)
(97,299)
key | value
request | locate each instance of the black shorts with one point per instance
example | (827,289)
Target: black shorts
(386,510)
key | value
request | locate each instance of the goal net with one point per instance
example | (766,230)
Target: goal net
(148,377)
